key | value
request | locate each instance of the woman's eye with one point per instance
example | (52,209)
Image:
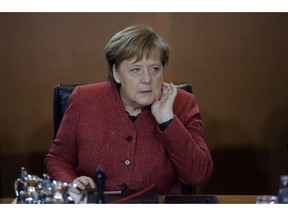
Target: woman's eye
(135,70)
(155,69)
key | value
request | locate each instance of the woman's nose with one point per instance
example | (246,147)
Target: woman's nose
(146,76)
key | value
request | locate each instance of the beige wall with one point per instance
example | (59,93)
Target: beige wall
(237,63)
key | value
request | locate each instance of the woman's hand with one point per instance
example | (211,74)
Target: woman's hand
(162,109)
(82,183)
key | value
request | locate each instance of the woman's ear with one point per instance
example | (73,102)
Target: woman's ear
(116,75)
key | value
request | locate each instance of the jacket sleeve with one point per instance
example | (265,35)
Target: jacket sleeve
(185,142)
(61,158)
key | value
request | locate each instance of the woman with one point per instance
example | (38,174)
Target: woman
(138,128)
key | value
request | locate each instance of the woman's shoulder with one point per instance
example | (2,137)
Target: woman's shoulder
(94,88)
(185,103)
(183,94)
(184,98)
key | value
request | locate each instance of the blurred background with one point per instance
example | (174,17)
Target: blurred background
(237,64)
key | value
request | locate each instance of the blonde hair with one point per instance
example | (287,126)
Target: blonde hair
(134,41)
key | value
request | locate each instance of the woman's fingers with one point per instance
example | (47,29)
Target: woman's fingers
(83,183)
(168,88)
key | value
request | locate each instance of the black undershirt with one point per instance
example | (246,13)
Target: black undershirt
(132,118)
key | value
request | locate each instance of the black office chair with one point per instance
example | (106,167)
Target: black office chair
(62,92)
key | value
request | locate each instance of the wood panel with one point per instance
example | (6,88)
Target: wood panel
(237,63)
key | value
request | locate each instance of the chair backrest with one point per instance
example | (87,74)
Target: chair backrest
(62,92)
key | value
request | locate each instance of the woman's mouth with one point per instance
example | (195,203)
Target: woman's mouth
(146,91)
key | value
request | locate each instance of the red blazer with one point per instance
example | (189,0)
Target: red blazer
(96,131)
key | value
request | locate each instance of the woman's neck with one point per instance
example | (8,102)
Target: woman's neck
(133,111)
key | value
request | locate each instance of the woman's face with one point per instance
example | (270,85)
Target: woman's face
(140,81)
